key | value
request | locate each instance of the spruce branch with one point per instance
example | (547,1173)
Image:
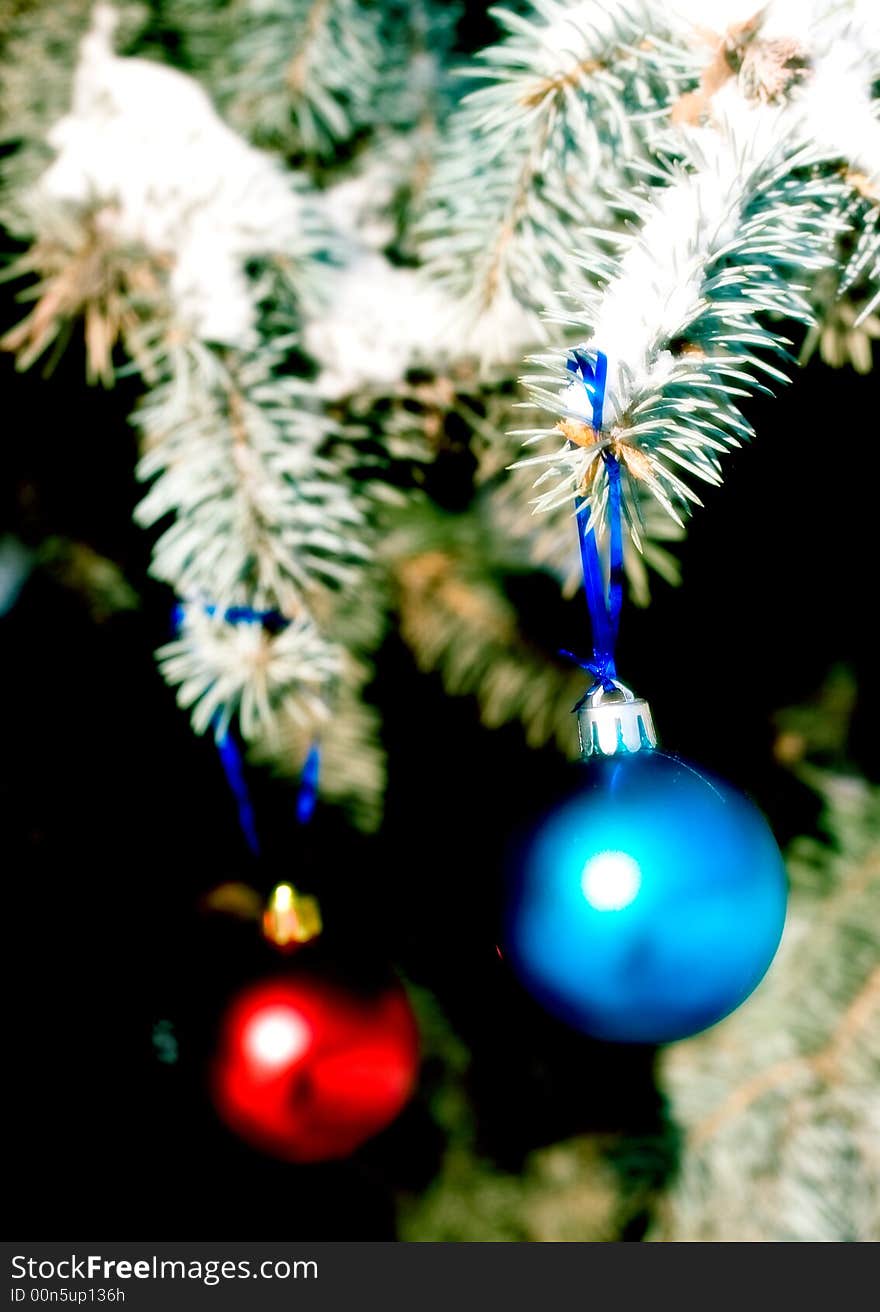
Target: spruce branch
(526,163)
(455,618)
(232,446)
(552,543)
(38,48)
(417,93)
(776,1103)
(139,149)
(204,276)
(76,269)
(417,89)
(735,223)
(227,670)
(300,76)
(353,767)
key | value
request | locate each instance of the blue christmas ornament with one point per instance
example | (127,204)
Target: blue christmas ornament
(650,901)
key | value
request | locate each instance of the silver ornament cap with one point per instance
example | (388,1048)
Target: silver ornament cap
(612,721)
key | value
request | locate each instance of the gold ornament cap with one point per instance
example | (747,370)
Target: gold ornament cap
(290,918)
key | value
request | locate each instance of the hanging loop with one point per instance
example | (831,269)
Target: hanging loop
(604,602)
(226,740)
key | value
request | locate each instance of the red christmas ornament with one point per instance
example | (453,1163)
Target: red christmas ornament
(308,1071)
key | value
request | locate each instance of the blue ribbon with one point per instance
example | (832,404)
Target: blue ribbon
(233,766)
(272,620)
(307,796)
(604,606)
(227,746)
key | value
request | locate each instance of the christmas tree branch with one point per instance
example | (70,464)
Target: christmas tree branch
(298,75)
(205,279)
(234,447)
(776,1103)
(526,162)
(732,232)
(454,617)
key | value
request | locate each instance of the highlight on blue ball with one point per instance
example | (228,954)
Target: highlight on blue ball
(647,904)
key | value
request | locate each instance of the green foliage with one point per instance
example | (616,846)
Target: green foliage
(300,76)
(778,1104)
(527,162)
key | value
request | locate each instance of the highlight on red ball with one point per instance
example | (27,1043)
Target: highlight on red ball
(308,1071)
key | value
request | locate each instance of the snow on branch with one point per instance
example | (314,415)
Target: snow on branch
(260,516)
(165,231)
(567,100)
(244,671)
(735,221)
